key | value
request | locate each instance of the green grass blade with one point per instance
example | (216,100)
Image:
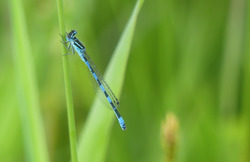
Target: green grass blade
(95,135)
(245,82)
(68,91)
(246,71)
(230,70)
(31,119)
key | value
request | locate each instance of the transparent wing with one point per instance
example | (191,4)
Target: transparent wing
(105,85)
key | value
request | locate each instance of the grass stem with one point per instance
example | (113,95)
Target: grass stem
(68,91)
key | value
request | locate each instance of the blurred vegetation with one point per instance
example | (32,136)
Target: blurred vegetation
(188,57)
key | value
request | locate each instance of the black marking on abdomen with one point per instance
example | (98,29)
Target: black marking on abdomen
(106,94)
(91,70)
(117,113)
(111,103)
(98,81)
(85,59)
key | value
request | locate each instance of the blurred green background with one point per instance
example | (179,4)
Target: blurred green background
(189,58)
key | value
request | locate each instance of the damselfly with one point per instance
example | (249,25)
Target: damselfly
(76,45)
